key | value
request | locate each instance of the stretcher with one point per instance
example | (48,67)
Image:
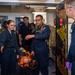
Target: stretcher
(26,60)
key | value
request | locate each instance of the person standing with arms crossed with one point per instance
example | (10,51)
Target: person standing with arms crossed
(70,12)
(39,46)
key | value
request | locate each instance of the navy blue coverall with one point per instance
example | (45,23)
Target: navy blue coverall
(25,30)
(71,54)
(8,56)
(41,50)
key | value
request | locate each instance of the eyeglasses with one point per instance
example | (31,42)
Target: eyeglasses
(38,20)
(68,7)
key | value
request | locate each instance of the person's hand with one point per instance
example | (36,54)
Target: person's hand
(29,37)
(32,53)
(2,49)
(17,56)
(20,43)
(68,65)
(21,48)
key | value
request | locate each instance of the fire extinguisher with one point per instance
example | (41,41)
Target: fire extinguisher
(61,21)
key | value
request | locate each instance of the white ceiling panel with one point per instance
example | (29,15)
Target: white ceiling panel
(33,1)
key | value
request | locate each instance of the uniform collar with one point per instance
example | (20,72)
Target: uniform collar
(73,25)
(39,27)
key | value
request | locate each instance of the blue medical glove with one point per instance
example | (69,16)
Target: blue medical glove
(68,65)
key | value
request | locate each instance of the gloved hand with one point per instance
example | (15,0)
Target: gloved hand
(68,65)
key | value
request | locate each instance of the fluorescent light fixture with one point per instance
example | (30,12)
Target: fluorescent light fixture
(51,8)
(39,12)
(21,16)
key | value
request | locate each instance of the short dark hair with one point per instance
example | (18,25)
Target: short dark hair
(70,2)
(40,16)
(4,23)
(32,24)
(25,17)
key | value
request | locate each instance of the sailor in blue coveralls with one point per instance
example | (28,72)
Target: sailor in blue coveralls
(71,54)
(9,50)
(70,12)
(39,46)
